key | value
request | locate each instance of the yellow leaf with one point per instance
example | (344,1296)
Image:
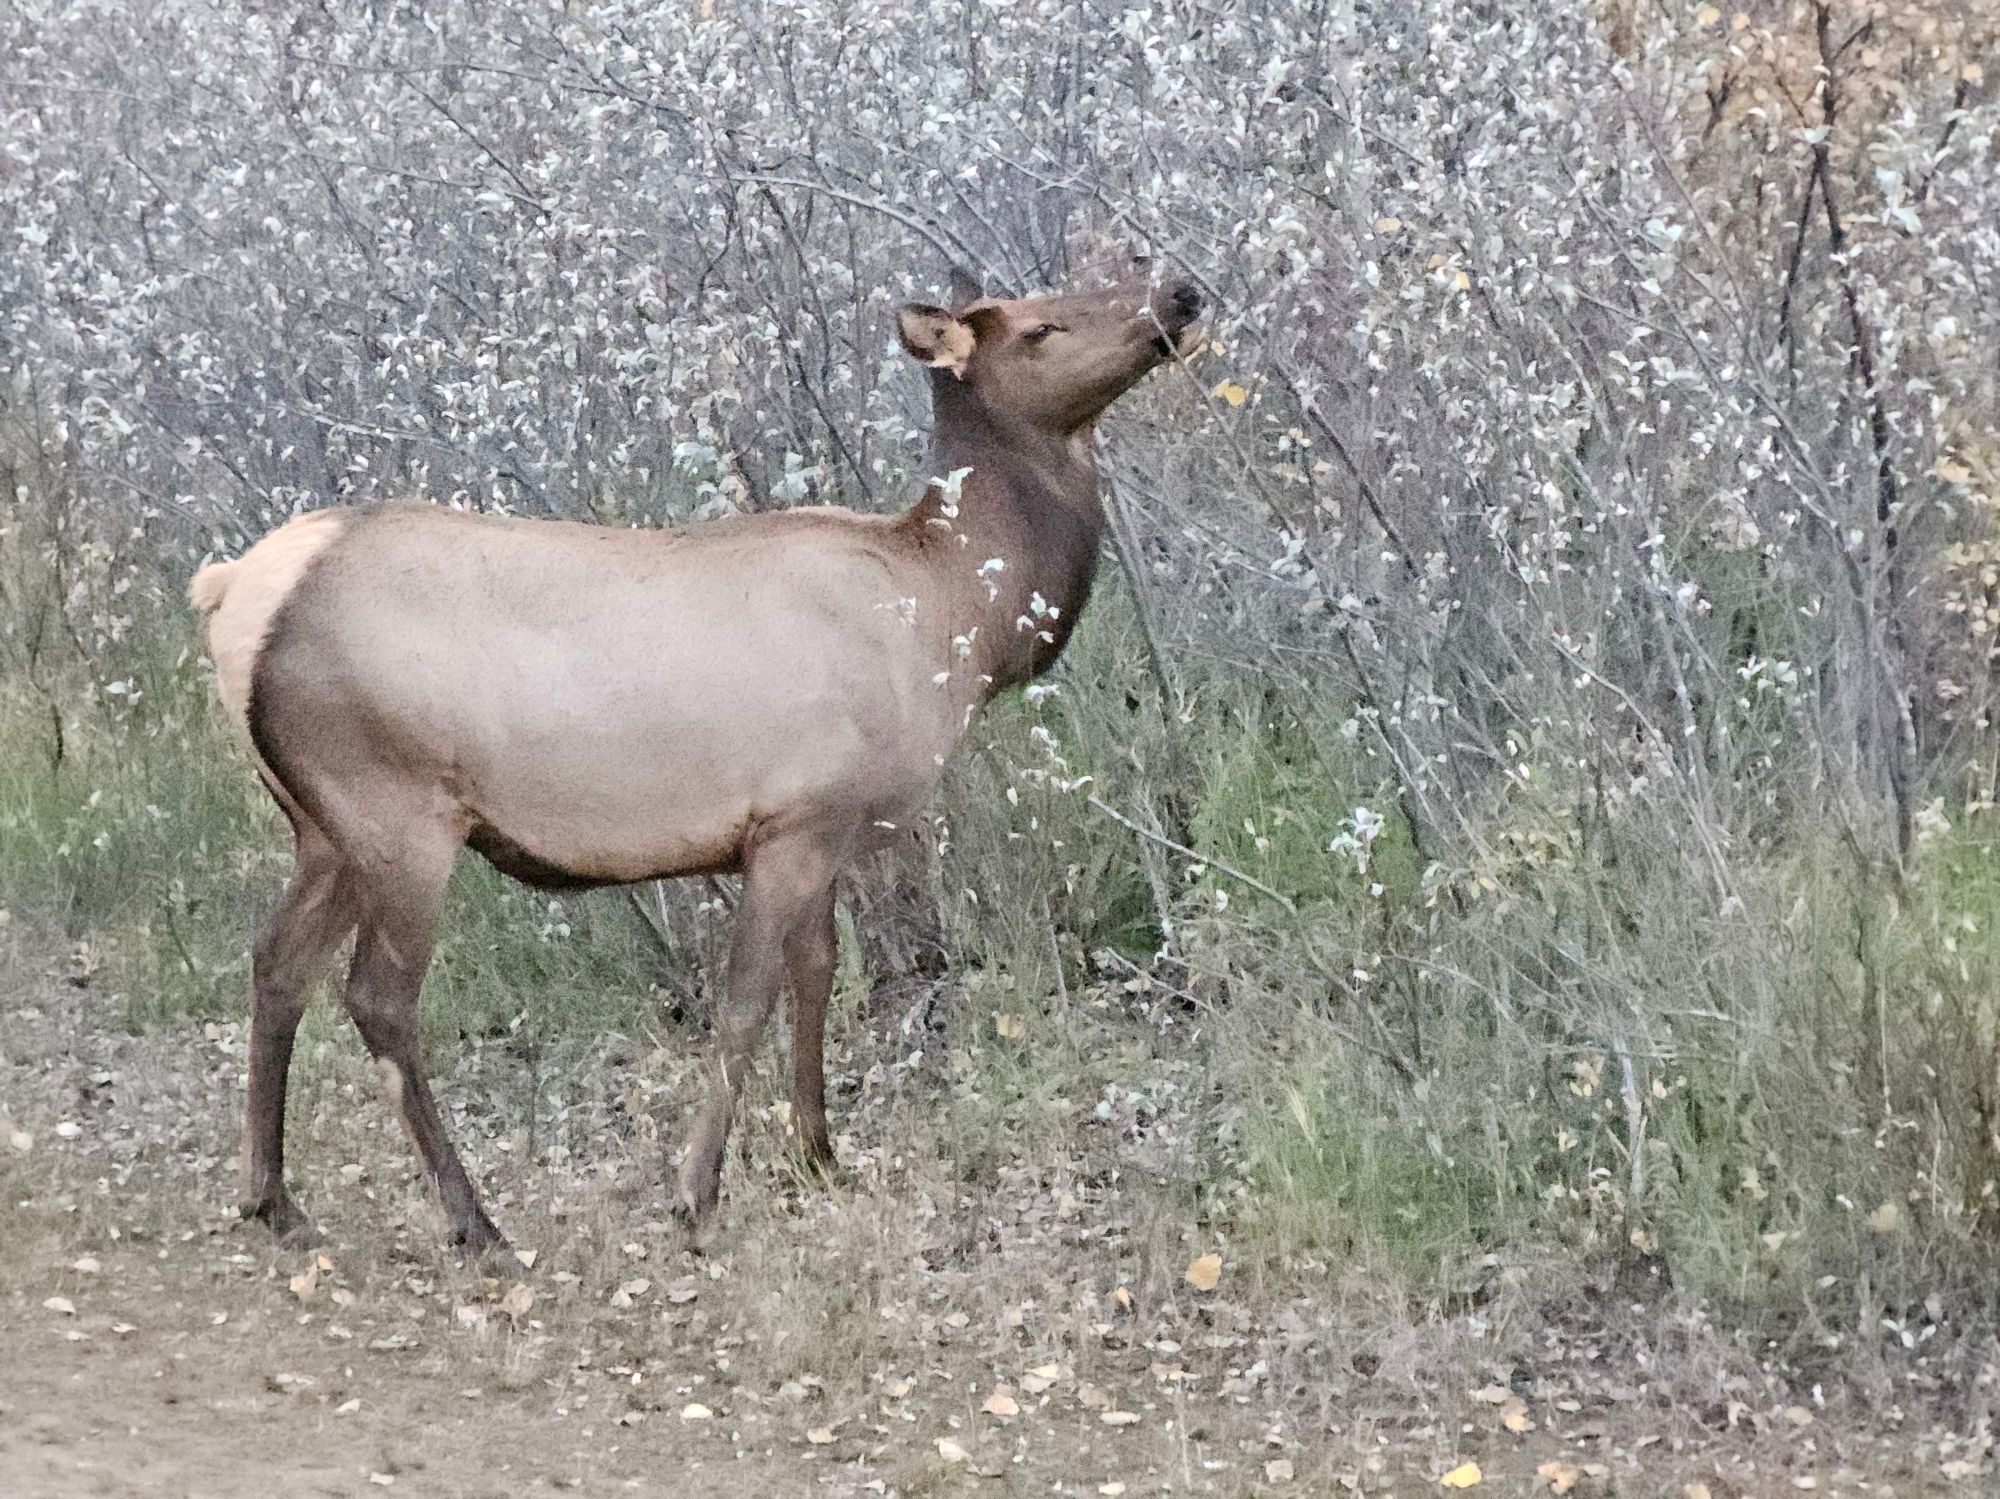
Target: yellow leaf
(1278,1470)
(1124,1299)
(1001,1402)
(1516,1419)
(820,1436)
(1695,1491)
(517,1301)
(1010,1027)
(526,1257)
(1464,1476)
(1387,226)
(1972,72)
(1740,21)
(1708,15)
(695,1411)
(305,1282)
(950,1451)
(1886,1219)
(1231,392)
(1462,281)
(1952,471)
(1118,1418)
(1205,1271)
(1561,1477)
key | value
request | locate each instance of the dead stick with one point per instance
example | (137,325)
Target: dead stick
(1182,849)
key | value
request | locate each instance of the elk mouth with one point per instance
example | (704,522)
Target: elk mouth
(1176,319)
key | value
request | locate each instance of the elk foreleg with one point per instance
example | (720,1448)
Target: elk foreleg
(786,881)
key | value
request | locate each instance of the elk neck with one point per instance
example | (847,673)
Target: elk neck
(1031,503)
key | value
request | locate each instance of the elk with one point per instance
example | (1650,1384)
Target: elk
(771,695)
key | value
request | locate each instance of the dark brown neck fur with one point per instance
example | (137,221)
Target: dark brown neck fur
(1031,500)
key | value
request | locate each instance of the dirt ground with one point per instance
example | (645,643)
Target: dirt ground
(1014,1315)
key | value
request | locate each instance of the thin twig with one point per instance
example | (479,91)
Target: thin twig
(1187,853)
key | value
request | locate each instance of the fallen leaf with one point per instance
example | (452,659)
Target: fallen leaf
(1123,1297)
(632,1418)
(1958,1468)
(695,1411)
(1562,1477)
(1695,1491)
(1886,1219)
(62,1306)
(88,1265)
(1798,1415)
(1111,1490)
(1388,225)
(526,1257)
(1231,392)
(1514,1416)
(1493,1394)
(1205,1271)
(1278,1470)
(950,1451)
(1708,15)
(1001,1402)
(306,1282)
(1805,1481)
(347,1407)
(385,1479)
(820,1436)
(517,1302)
(1464,1476)
(1010,1027)
(1119,1418)
(22,1141)
(1091,1397)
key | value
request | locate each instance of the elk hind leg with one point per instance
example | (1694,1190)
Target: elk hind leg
(391,954)
(313,917)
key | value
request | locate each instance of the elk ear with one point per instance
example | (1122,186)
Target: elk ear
(934,337)
(965,288)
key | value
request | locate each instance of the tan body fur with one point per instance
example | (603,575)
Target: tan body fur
(593,706)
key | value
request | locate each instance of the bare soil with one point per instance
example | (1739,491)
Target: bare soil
(977,1306)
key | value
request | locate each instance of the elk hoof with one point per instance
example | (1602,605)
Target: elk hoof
(289,1227)
(817,1163)
(695,1199)
(480,1239)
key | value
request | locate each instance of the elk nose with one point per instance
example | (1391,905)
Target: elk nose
(1186,302)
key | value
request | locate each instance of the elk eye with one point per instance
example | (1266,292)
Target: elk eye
(1043,332)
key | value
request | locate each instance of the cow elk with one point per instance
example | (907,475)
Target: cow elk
(770,695)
